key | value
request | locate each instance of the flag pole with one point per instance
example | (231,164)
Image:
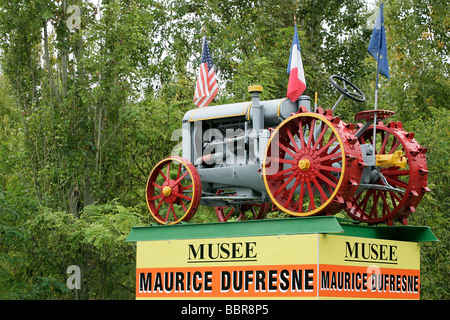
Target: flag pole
(376,106)
(376,99)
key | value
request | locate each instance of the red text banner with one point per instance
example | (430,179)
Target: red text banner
(287,281)
(368,282)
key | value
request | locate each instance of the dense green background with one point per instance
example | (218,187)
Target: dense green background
(86,113)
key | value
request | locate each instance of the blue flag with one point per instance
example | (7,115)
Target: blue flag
(377,46)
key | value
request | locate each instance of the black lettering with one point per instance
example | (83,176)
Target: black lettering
(296,280)
(373,282)
(325,283)
(365,246)
(168,281)
(351,252)
(346,281)
(403,283)
(188,281)
(250,247)
(260,281)
(145,282)
(371,251)
(210,251)
(284,280)
(215,251)
(208,281)
(374,250)
(200,252)
(333,284)
(381,278)
(196,281)
(225,282)
(236,247)
(158,283)
(224,248)
(381,282)
(272,279)
(353,281)
(393,253)
(340,281)
(391,283)
(179,282)
(358,281)
(416,284)
(410,284)
(237,281)
(386,282)
(383,255)
(364,282)
(309,280)
(248,279)
(397,283)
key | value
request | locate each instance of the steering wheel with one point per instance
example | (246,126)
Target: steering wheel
(354,94)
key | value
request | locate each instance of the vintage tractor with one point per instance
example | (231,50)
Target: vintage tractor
(247,158)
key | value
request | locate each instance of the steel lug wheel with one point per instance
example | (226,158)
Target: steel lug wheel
(173,190)
(397,191)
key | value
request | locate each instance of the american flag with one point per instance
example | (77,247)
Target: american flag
(206,88)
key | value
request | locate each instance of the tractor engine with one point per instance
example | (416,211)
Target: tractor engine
(227,143)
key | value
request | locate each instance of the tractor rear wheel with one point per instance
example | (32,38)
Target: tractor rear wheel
(397,191)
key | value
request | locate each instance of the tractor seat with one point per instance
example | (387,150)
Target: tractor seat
(370,114)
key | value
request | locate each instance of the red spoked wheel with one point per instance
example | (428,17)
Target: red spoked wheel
(254,211)
(311,164)
(397,191)
(173,190)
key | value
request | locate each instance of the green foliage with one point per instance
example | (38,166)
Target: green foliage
(433,132)
(35,256)
(86,113)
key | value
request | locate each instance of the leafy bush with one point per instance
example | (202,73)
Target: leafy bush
(35,256)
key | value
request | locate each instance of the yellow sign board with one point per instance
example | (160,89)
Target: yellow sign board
(306,266)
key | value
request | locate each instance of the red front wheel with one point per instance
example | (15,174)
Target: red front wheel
(173,190)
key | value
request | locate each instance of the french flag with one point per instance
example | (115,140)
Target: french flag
(297,83)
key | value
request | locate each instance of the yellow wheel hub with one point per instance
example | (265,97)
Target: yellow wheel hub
(167,191)
(304,164)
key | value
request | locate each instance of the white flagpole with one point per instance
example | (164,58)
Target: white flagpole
(376,95)
(376,106)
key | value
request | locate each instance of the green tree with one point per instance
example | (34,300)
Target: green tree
(89,105)
(417,36)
